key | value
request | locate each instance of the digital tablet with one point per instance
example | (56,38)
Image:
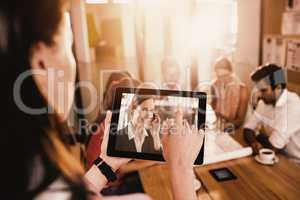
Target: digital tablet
(139,114)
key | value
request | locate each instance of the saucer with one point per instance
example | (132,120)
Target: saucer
(272,162)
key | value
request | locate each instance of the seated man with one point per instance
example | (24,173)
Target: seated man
(142,132)
(277,114)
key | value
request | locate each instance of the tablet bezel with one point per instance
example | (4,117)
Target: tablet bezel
(112,151)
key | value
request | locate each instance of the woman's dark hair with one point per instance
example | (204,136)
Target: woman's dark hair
(110,92)
(117,76)
(26,137)
(114,77)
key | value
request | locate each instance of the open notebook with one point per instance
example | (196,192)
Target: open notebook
(221,147)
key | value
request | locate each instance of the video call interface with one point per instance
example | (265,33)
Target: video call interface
(142,117)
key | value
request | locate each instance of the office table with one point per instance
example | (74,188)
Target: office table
(254,181)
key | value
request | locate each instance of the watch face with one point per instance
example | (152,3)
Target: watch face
(222,174)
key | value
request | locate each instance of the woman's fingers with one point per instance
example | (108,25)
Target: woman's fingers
(164,128)
(106,131)
(200,134)
(107,118)
(179,117)
(158,118)
(194,129)
(107,123)
(186,127)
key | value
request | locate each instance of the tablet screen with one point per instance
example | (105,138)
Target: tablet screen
(140,114)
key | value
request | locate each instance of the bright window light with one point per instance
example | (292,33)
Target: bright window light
(121,1)
(96,1)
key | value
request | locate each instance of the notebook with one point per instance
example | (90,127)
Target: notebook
(222,147)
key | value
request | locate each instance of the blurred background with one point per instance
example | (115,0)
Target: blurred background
(141,36)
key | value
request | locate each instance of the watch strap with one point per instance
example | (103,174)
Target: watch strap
(105,169)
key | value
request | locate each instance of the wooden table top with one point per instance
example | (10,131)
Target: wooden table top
(254,181)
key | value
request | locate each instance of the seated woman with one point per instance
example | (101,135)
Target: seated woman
(114,78)
(230,95)
(94,144)
(35,50)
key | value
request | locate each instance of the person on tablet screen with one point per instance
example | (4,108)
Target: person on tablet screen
(142,131)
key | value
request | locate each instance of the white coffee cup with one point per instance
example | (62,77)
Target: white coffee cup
(266,155)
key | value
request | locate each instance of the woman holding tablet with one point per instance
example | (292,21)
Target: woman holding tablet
(36,55)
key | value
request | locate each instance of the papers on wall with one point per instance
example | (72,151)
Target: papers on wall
(268,49)
(274,50)
(293,55)
(291,23)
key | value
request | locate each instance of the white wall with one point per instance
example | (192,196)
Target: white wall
(246,58)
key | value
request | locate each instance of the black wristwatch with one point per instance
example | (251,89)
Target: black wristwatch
(105,169)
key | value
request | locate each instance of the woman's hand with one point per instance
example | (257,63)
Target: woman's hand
(181,145)
(181,142)
(155,130)
(114,162)
(95,179)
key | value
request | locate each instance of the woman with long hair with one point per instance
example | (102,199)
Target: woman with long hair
(230,95)
(38,85)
